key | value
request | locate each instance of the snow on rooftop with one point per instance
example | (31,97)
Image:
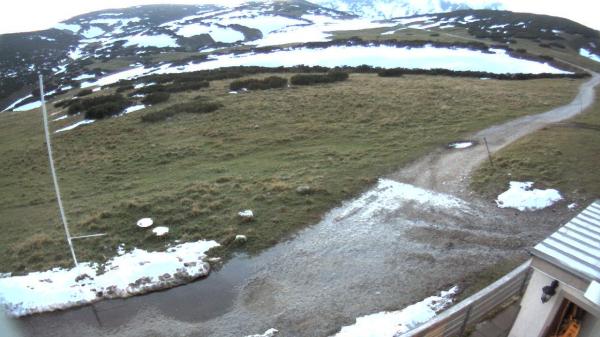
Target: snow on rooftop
(126,274)
(159,41)
(73,126)
(586,53)
(522,196)
(393,323)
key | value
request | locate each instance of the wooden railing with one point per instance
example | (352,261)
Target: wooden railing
(455,321)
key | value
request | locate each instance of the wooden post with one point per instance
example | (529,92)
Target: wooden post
(488,151)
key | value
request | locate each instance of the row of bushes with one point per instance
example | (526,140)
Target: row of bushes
(178,86)
(270,82)
(156,97)
(396,72)
(195,106)
(310,79)
(99,107)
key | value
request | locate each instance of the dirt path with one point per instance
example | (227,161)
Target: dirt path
(394,245)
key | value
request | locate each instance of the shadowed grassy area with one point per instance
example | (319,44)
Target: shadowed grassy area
(195,172)
(562,156)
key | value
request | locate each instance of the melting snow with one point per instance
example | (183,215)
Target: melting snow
(523,197)
(73,126)
(460,145)
(84,77)
(127,274)
(269,333)
(60,118)
(93,31)
(390,324)
(145,222)
(219,34)
(588,54)
(15,103)
(29,106)
(389,195)
(159,41)
(134,108)
(66,26)
(160,230)
(427,57)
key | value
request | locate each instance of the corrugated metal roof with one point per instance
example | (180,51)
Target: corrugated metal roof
(575,246)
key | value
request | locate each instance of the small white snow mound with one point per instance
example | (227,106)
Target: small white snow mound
(460,145)
(145,222)
(241,238)
(246,214)
(523,197)
(134,108)
(572,206)
(390,195)
(269,333)
(73,126)
(392,323)
(160,230)
(127,274)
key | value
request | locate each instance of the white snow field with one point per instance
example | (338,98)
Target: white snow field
(126,274)
(427,57)
(391,323)
(586,53)
(523,197)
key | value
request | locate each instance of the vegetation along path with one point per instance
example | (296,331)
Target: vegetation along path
(393,245)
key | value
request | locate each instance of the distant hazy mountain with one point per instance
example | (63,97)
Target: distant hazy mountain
(385,9)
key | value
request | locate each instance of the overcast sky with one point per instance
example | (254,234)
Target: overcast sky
(30,15)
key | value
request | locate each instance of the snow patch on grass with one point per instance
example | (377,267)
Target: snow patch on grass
(134,108)
(523,197)
(73,126)
(127,274)
(588,54)
(269,333)
(392,323)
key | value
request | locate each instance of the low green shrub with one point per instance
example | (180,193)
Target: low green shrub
(271,82)
(196,107)
(99,107)
(84,92)
(156,97)
(158,115)
(310,79)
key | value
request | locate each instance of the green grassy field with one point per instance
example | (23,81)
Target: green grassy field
(562,156)
(194,173)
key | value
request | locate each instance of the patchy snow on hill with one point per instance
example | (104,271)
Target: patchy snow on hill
(586,53)
(75,125)
(217,33)
(392,323)
(159,41)
(522,196)
(126,274)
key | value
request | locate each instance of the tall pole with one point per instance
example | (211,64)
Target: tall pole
(53,171)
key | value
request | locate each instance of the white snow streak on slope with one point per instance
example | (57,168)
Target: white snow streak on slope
(93,31)
(389,324)
(159,41)
(66,26)
(73,126)
(128,274)
(588,54)
(13,104)
(523,197)
(269,333)
(29,106)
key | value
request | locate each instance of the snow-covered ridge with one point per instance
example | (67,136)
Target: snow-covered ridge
(126,274)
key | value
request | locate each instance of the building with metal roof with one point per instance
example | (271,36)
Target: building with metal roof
(563,294)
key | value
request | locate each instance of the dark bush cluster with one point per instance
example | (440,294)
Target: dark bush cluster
(396,72)
(156,97)
(125,88)
(310,79)
(99,107)
(177,86)
(84,92)
(270,82)
(196,106)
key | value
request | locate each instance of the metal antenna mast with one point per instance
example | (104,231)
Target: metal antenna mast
(52,170)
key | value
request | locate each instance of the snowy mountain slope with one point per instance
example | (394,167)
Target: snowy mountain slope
(386,9)
(70,53)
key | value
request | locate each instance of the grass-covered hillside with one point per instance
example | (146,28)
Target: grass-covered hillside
(288,154)
(562,156)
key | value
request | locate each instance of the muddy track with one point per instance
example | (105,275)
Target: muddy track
(448,171)
(394,245)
